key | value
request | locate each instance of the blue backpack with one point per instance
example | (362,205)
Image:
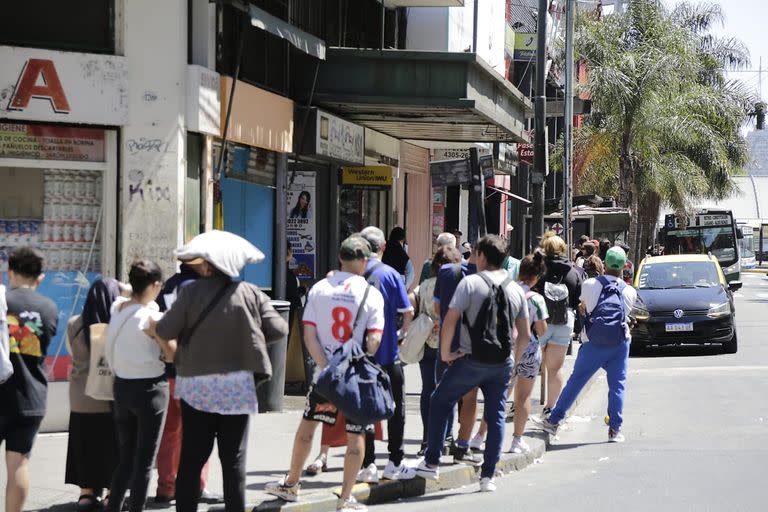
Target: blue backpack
(606,325)
(355,384)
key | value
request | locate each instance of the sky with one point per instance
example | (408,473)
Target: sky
(747,20)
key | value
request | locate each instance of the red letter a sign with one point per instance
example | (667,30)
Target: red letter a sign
(27,87)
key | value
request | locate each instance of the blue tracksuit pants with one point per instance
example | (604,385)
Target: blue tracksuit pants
(590,359)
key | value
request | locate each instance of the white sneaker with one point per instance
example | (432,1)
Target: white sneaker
(369,475)
(401,472)
(487,485)
(426,472)
(615,436)
(476,443)
(350,505)
(519,446)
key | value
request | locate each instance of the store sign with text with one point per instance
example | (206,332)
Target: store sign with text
(300,225)
(46,142)
(44,85)
(455,154)
(525,153)
(339,139)
(369,176)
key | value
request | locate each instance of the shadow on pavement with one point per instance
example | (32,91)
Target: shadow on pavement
(569,446)
(677,351)
(64,507)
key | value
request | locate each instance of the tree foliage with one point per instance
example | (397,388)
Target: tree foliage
(665,128)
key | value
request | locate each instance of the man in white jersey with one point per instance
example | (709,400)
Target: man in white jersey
(329,316)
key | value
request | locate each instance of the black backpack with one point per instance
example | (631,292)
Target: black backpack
(491,334)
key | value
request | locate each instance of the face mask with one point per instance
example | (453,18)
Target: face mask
(405,247)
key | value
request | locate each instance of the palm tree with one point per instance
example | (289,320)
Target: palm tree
(665,128)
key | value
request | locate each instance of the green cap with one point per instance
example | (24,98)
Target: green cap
(354,247)
(615,258)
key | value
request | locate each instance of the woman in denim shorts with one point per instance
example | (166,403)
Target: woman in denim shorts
(555,340)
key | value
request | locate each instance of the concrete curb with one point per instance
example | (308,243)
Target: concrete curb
(451,477)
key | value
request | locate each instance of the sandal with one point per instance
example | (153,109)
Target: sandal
(87,503)
(317,467)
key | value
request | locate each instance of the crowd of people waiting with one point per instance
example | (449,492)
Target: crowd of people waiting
(497,321)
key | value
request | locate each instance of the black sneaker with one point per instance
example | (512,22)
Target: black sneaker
(466,456)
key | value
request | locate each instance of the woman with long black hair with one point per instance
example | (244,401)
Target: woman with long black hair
(92,446)
(301,209)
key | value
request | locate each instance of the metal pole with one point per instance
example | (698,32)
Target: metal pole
(474,27)
(231,98)
(570,14)
(382,24)
(477,192)
(540,147)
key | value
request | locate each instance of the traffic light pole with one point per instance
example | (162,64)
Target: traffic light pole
(540,124)
(570,14)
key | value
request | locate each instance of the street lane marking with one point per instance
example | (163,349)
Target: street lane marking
(701,369)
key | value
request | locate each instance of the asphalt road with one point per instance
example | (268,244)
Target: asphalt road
(696,423)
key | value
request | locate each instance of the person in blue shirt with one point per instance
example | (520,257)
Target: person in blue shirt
(391,286)
(448,279)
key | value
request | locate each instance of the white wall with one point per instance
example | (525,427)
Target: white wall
(153,158)
(450,29)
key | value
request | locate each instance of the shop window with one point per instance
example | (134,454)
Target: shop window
(56,211)
(74,25)
(359,208)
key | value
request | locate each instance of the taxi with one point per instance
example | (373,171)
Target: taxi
(684,299)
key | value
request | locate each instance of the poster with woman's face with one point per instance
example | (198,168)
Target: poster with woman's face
(301,223)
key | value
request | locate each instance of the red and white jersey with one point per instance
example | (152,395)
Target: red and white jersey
(332,305)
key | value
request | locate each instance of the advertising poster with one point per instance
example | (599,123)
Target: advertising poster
(301,224)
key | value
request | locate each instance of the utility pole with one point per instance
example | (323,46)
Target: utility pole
(570,14)
(477,229)
(540,126)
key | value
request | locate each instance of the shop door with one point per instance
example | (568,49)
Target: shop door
(359,208)
(249,212)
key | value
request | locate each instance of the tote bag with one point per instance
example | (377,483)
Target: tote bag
(100,379)
(412,348)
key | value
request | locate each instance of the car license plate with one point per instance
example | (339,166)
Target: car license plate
(687,327)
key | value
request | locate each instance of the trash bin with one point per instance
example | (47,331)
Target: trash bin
(270,394)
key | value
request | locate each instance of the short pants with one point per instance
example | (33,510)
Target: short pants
(557,335)
(319,409)
(19,432)
(530,362)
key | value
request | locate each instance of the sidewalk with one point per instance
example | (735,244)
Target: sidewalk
(269,445)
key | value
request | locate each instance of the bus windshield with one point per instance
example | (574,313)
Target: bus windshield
(718,240)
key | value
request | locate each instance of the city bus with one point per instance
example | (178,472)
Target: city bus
(707,231)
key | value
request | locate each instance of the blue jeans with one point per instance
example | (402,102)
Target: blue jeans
(428,381)
(463,376)
(590,359)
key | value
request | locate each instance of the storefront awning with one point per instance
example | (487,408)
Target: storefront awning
(420,95)
(508,194)
(304,41)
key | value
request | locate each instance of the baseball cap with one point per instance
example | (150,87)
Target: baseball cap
(615,258)
(354,247)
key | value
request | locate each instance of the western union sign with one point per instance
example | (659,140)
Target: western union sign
(369,176)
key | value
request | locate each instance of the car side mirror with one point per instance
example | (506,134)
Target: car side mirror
(735,285)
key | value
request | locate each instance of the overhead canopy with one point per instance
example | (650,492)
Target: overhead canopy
(304,41)
(420,95)
(423,3)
